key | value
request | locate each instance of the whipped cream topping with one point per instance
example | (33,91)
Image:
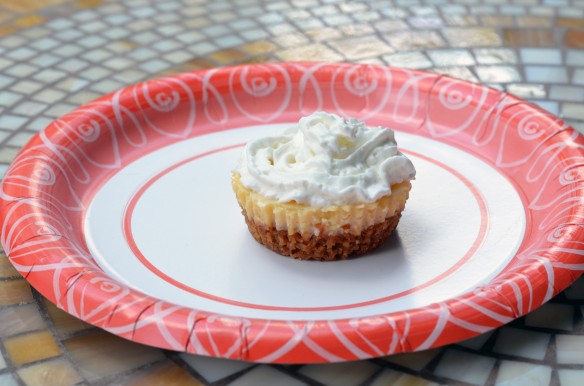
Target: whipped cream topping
(325,160)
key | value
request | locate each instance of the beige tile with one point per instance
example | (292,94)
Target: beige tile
(573,110)
(228,56)
(31,347)
(64,323)
(6,268)
(6,29)
(324,34)
(387,25)
(30,5)
(29,21)
(534,21)
(141,25)
(257,60)
(167,72)
(472,37)
(196,23)
(16,320)
(497,20)
(568,22)
(14,292)
(498,74)
(57,372)
(311,52)
(461,20)
(457,72)
(82,97)
(374,61)
(361,47)
(395,378)
(102,354)
(6,156)
(258,48)
(356,29)
(408,60)
(415,40)
(290,40)
(166,374)
(122,46)
(5,15)
(197,64)
(529,37)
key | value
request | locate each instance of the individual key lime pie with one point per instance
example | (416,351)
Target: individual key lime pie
(324,190)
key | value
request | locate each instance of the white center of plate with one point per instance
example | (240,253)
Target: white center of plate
(169,225)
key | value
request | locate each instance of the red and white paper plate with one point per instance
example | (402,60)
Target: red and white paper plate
(121,213)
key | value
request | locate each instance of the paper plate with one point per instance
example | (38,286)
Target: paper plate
(121,213)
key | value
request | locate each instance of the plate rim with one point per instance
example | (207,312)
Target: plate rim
(400,324)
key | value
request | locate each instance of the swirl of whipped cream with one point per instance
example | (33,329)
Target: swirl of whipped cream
(325,161)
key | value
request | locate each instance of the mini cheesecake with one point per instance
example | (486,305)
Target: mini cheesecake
(325,190)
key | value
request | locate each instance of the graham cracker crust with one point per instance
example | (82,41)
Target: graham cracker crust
(323,247)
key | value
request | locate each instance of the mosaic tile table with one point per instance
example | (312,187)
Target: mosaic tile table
(58,54)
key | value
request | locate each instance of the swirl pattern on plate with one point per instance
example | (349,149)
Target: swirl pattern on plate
(47,188)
